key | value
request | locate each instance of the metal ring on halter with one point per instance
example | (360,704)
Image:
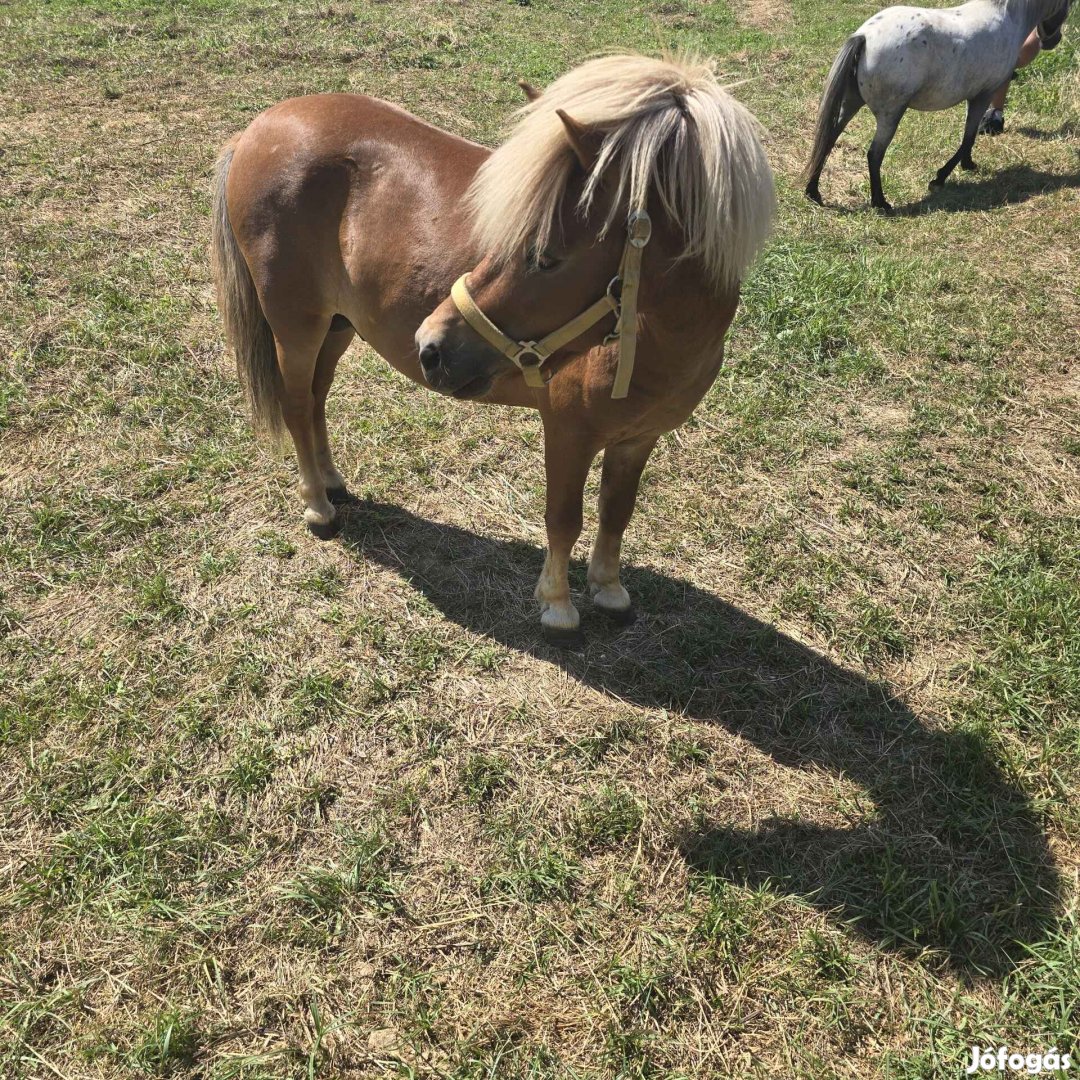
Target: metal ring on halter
(528,348)
(614,294)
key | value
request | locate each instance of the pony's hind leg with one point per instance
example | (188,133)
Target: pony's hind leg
(566,462)
(887,123)
(298,350)
(975,110)
(623,465)
(333,348)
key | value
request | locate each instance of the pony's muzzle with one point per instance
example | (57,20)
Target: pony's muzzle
(430,360)
(431,355)
(449,368)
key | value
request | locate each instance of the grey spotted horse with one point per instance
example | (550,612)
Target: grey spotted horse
(930,59)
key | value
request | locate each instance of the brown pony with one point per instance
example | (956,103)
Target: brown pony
(636,189)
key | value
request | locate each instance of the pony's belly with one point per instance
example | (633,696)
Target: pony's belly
(936,98)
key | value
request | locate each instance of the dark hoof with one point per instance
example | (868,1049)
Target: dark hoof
(883,208)
(969,166)
(573,640)
(325,532)
(619,618)
(338,496)
(813,194)
(937,182)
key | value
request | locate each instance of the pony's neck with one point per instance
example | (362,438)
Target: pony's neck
(686,316)
(1031,12)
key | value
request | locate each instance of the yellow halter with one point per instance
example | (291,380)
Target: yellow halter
(621,299)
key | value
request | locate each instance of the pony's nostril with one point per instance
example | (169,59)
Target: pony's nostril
(429,358)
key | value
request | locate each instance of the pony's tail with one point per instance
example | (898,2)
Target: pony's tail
(246,328)
(832,97)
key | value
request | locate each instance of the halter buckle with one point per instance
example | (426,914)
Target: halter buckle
(639,229)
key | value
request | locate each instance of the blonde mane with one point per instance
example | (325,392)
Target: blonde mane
(669,129)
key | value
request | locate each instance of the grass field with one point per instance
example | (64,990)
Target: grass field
(279,808)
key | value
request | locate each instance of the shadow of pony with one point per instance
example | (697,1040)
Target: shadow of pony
(951,857)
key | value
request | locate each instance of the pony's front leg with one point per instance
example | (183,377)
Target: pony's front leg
(623,465)
(566,462)
(962,157)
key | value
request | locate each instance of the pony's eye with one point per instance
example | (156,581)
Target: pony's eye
(540,259)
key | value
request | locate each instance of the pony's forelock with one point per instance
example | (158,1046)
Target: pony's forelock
(668,128)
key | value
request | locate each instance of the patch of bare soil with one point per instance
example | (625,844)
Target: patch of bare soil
(764,14)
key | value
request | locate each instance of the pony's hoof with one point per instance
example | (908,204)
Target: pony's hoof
(618,616)
(813,194)
(883,208)
(969,166)
(324,531)
(937,182)
(338,496)
(570,640)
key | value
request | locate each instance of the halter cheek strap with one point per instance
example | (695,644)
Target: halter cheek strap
(638,234)
(621,299)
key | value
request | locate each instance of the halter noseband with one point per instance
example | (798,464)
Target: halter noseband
(620,299)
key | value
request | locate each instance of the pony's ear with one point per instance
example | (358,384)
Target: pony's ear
(528,90)
(584,143)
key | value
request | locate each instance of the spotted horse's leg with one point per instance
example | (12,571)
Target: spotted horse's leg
(887,123)
(962,157)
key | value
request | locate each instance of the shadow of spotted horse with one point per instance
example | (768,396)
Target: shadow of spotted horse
(1003,187)
(952,858)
